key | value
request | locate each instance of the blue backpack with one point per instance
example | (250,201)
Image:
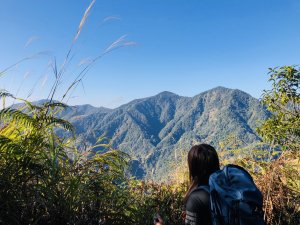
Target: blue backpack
(234,198)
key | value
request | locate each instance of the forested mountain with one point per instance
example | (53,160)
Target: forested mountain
(153,129)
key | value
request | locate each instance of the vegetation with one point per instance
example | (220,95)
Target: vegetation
(283,100)
(279,179)
(45,179)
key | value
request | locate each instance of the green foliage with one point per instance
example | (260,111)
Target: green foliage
(283,100)
(44,179)
(279,178)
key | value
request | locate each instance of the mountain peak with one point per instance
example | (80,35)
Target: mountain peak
(166,94)
(220,88)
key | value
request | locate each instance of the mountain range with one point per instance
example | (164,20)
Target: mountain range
(152,130)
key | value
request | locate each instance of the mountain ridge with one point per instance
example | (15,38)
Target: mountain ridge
(152,129)
(149,129)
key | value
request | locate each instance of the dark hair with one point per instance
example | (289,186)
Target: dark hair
(203,160)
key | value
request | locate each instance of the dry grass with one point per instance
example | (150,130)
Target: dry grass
(280,185)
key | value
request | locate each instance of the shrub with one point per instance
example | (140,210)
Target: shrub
(45,179)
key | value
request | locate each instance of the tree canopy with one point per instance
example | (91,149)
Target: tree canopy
(283,101)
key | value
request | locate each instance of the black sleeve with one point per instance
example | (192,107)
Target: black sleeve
(198,208)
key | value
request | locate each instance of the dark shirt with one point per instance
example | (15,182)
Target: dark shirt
(198,208)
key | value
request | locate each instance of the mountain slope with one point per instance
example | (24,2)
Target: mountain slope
(151,129)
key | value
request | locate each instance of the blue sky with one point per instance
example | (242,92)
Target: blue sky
(182,46)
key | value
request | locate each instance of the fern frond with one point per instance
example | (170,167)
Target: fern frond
(115,159)
(10,130)
(30,106)
(6,144)
(59,122)
(17,116)
(55,104)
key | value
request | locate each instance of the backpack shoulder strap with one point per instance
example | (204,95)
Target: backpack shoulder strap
(229,166)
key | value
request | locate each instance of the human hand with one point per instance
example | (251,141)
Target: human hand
(158,220)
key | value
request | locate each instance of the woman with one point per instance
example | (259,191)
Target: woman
(203,160)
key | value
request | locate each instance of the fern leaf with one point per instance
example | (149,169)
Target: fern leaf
(55,104)
(17,116)
(6,144)
(60,122)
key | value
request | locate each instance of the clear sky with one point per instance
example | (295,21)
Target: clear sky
(182,46)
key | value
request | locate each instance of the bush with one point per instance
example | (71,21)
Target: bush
(44,179)
(152,198)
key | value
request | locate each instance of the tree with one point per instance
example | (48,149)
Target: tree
(283,101)
(279,178)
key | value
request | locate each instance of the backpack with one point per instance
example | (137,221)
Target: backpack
(234,198)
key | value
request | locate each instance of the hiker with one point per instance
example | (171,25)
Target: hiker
(228,196)
(202,162)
